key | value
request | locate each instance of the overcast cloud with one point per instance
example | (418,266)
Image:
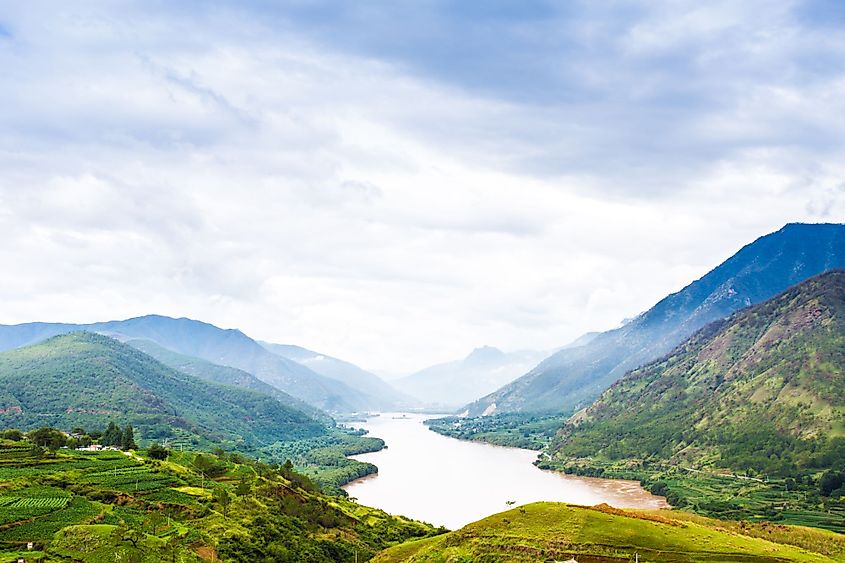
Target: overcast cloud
(395,183)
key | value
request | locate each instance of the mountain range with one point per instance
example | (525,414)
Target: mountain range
(573,377)
(229,348)
(347,373)
(762,390)
(452,384)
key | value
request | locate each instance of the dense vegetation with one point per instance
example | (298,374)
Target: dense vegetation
(601,534)
(224,375)
(761,394)
(518,430)
(178,506)
(84,379)
(324,459)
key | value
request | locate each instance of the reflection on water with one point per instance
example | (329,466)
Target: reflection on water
(451,482)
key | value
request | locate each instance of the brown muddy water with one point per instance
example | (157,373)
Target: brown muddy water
(450,482)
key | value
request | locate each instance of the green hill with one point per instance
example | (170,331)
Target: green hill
(85,379)
(763,391)
(224,375)
(548,531)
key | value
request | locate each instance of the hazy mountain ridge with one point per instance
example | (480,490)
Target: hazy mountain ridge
(226,347)
(571,378)
(386,396)
(763,390)
(87,379)
(453,384)
(223,375)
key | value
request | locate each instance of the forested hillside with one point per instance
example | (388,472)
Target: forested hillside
(762,391)
(85,379)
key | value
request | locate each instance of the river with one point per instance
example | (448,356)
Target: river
(450,482)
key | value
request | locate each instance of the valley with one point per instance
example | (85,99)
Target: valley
(709,428)
(469,480)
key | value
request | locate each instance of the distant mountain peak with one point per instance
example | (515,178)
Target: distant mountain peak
(485,354)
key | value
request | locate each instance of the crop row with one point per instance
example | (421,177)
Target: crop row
(119,471)
(78,511)
(37,502)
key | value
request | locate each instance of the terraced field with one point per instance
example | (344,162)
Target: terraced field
(101,507)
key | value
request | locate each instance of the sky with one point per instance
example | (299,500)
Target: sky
(396,183)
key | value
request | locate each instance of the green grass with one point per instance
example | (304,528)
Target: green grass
(555,531)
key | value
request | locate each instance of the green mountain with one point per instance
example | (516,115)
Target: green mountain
(222,374)
(85,379)
(574,377)
(384,396)
(197,339)
(763,390)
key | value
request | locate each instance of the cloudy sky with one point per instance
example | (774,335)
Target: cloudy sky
(398,182)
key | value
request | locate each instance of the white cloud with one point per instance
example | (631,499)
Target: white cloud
(213,165)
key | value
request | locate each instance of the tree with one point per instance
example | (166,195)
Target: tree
(155,519)
(224,498)
(157,451)
(12,434)
(127,441)
(831,481)
(243,488)
(112,436)
(47,437)
(208,466)
(124,533)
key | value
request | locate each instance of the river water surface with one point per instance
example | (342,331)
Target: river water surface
(450,482)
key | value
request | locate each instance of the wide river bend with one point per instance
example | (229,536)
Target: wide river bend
(450,482)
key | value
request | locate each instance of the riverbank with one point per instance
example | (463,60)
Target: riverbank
(450,482)
(718,494)
(327,460)
(532,432)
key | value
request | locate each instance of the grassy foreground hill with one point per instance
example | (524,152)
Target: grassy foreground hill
(556,532)
(102,507)
(85,379)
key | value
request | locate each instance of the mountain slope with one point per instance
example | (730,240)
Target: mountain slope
(230,348)
(572,378)
(88,379)
(386,397)
(453,384)
(223,375)
(763,390)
